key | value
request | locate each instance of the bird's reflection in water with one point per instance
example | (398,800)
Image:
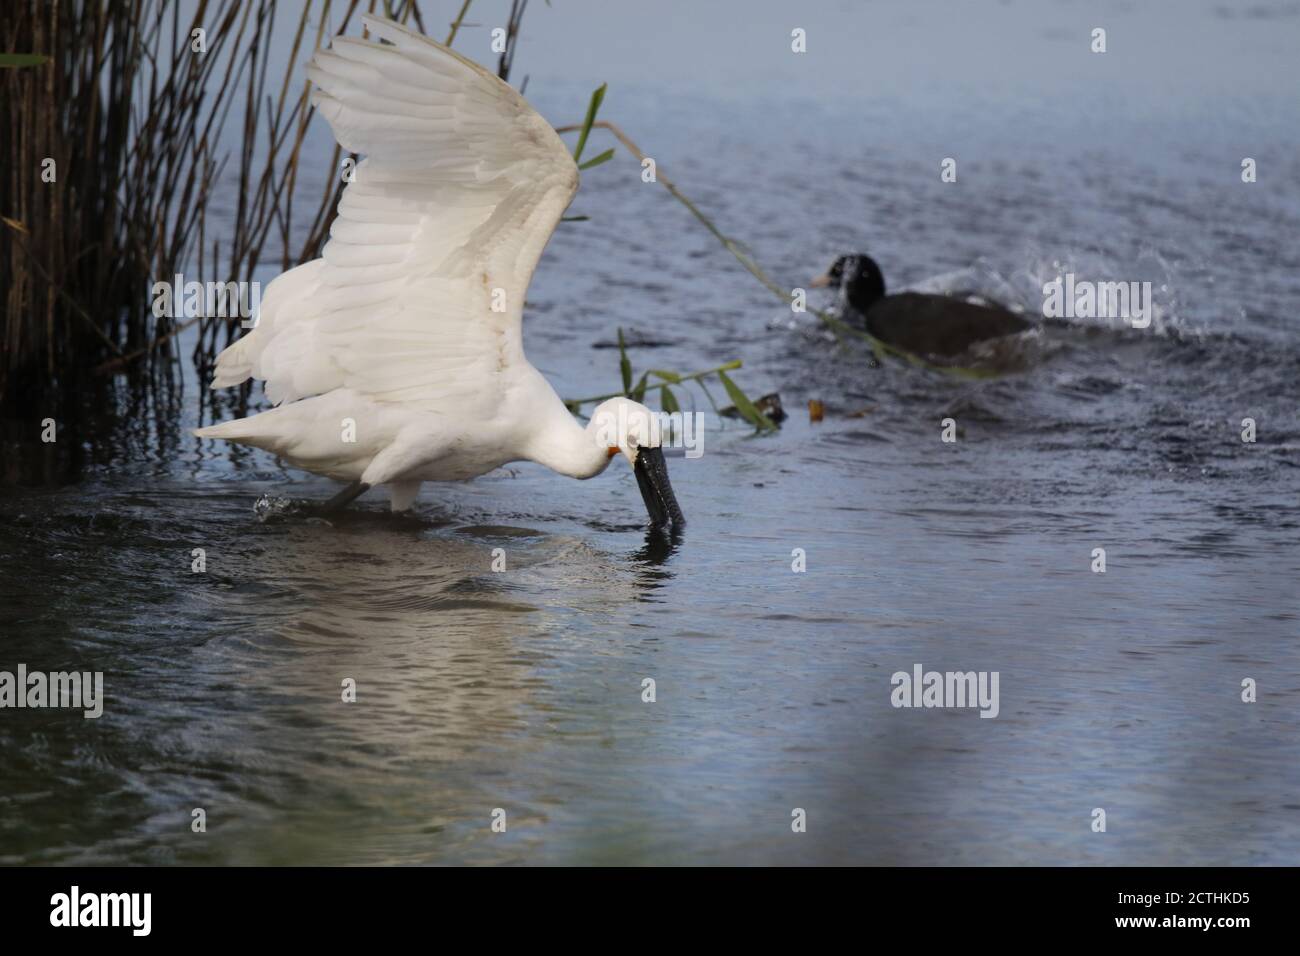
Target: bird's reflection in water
(652,557)
(452,659)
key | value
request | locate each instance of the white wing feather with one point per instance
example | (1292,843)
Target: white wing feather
(462,186)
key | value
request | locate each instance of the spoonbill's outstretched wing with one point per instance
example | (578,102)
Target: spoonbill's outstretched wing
(418,297)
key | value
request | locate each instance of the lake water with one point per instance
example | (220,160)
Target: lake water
(522,690)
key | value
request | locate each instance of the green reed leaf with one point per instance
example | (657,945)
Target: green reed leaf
(23,59)
(743,405)
(592,108)
(668,401)
(604,157)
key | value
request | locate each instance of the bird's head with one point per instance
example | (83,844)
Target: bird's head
(622,426)
(858,278)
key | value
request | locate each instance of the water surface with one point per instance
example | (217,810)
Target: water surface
(522,690)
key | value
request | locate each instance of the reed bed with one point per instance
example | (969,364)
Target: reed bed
(118,117)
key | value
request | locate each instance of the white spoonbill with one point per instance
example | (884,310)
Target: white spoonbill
(397,357)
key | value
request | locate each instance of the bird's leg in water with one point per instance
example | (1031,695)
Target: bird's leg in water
(344,498)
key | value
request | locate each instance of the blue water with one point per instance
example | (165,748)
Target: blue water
(522,690)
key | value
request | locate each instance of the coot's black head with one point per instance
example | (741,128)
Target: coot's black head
(859,279)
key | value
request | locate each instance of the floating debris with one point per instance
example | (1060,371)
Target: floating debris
(634,339)
(769,405)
